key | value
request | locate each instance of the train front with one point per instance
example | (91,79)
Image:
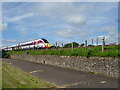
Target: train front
(47,44)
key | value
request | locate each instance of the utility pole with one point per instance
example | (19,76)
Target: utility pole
(86,45)
(92,42)
(103,44)
(62,45)
(72,47)
(56,45)
(97,42)
(19,46)
(34,45)
(29,47)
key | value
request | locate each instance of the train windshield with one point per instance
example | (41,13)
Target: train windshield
(45,40)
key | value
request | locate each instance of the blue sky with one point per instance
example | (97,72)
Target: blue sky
(60,22)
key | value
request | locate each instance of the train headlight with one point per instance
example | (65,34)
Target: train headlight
(47,44)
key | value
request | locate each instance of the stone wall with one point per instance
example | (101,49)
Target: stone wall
(98,65)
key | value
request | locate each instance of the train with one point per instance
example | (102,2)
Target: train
(33,44)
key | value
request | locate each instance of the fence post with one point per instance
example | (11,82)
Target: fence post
(86,45)
(103,43)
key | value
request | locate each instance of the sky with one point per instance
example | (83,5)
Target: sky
(61,22)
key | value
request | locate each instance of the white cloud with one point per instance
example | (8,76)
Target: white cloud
(18,18)
(70,20)
(71,14)
(110,29)
(3,26)
(64,33)
(60,1)
(73,33)
(8,41)
(109,39)
(62,10)
(76,20)
(22,30)
(111,35)
(97,19)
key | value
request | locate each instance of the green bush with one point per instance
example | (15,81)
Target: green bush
(4,54)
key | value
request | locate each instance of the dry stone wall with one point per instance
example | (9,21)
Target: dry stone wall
(99,65)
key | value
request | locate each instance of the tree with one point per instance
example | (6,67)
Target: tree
(90,45)
(4,54)
(53,46)
(69,45)
(114,43)
(82,45)
(75,44)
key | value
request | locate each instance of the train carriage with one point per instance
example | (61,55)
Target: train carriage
(38,43)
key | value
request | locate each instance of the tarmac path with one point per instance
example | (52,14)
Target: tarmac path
(64,77)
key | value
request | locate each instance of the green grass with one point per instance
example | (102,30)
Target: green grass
(111,51)
(0,74)
(15,78)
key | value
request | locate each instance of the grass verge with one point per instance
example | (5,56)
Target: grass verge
(110,51)
(0,74)
(15,78)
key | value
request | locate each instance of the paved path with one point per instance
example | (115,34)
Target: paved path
(64,77)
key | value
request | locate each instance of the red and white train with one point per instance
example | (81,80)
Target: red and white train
(38,43)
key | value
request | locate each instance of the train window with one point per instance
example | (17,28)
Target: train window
(40,41)
(45,40)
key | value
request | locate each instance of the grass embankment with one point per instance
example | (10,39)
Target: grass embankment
(0,74)
(15,78)
(110,51)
